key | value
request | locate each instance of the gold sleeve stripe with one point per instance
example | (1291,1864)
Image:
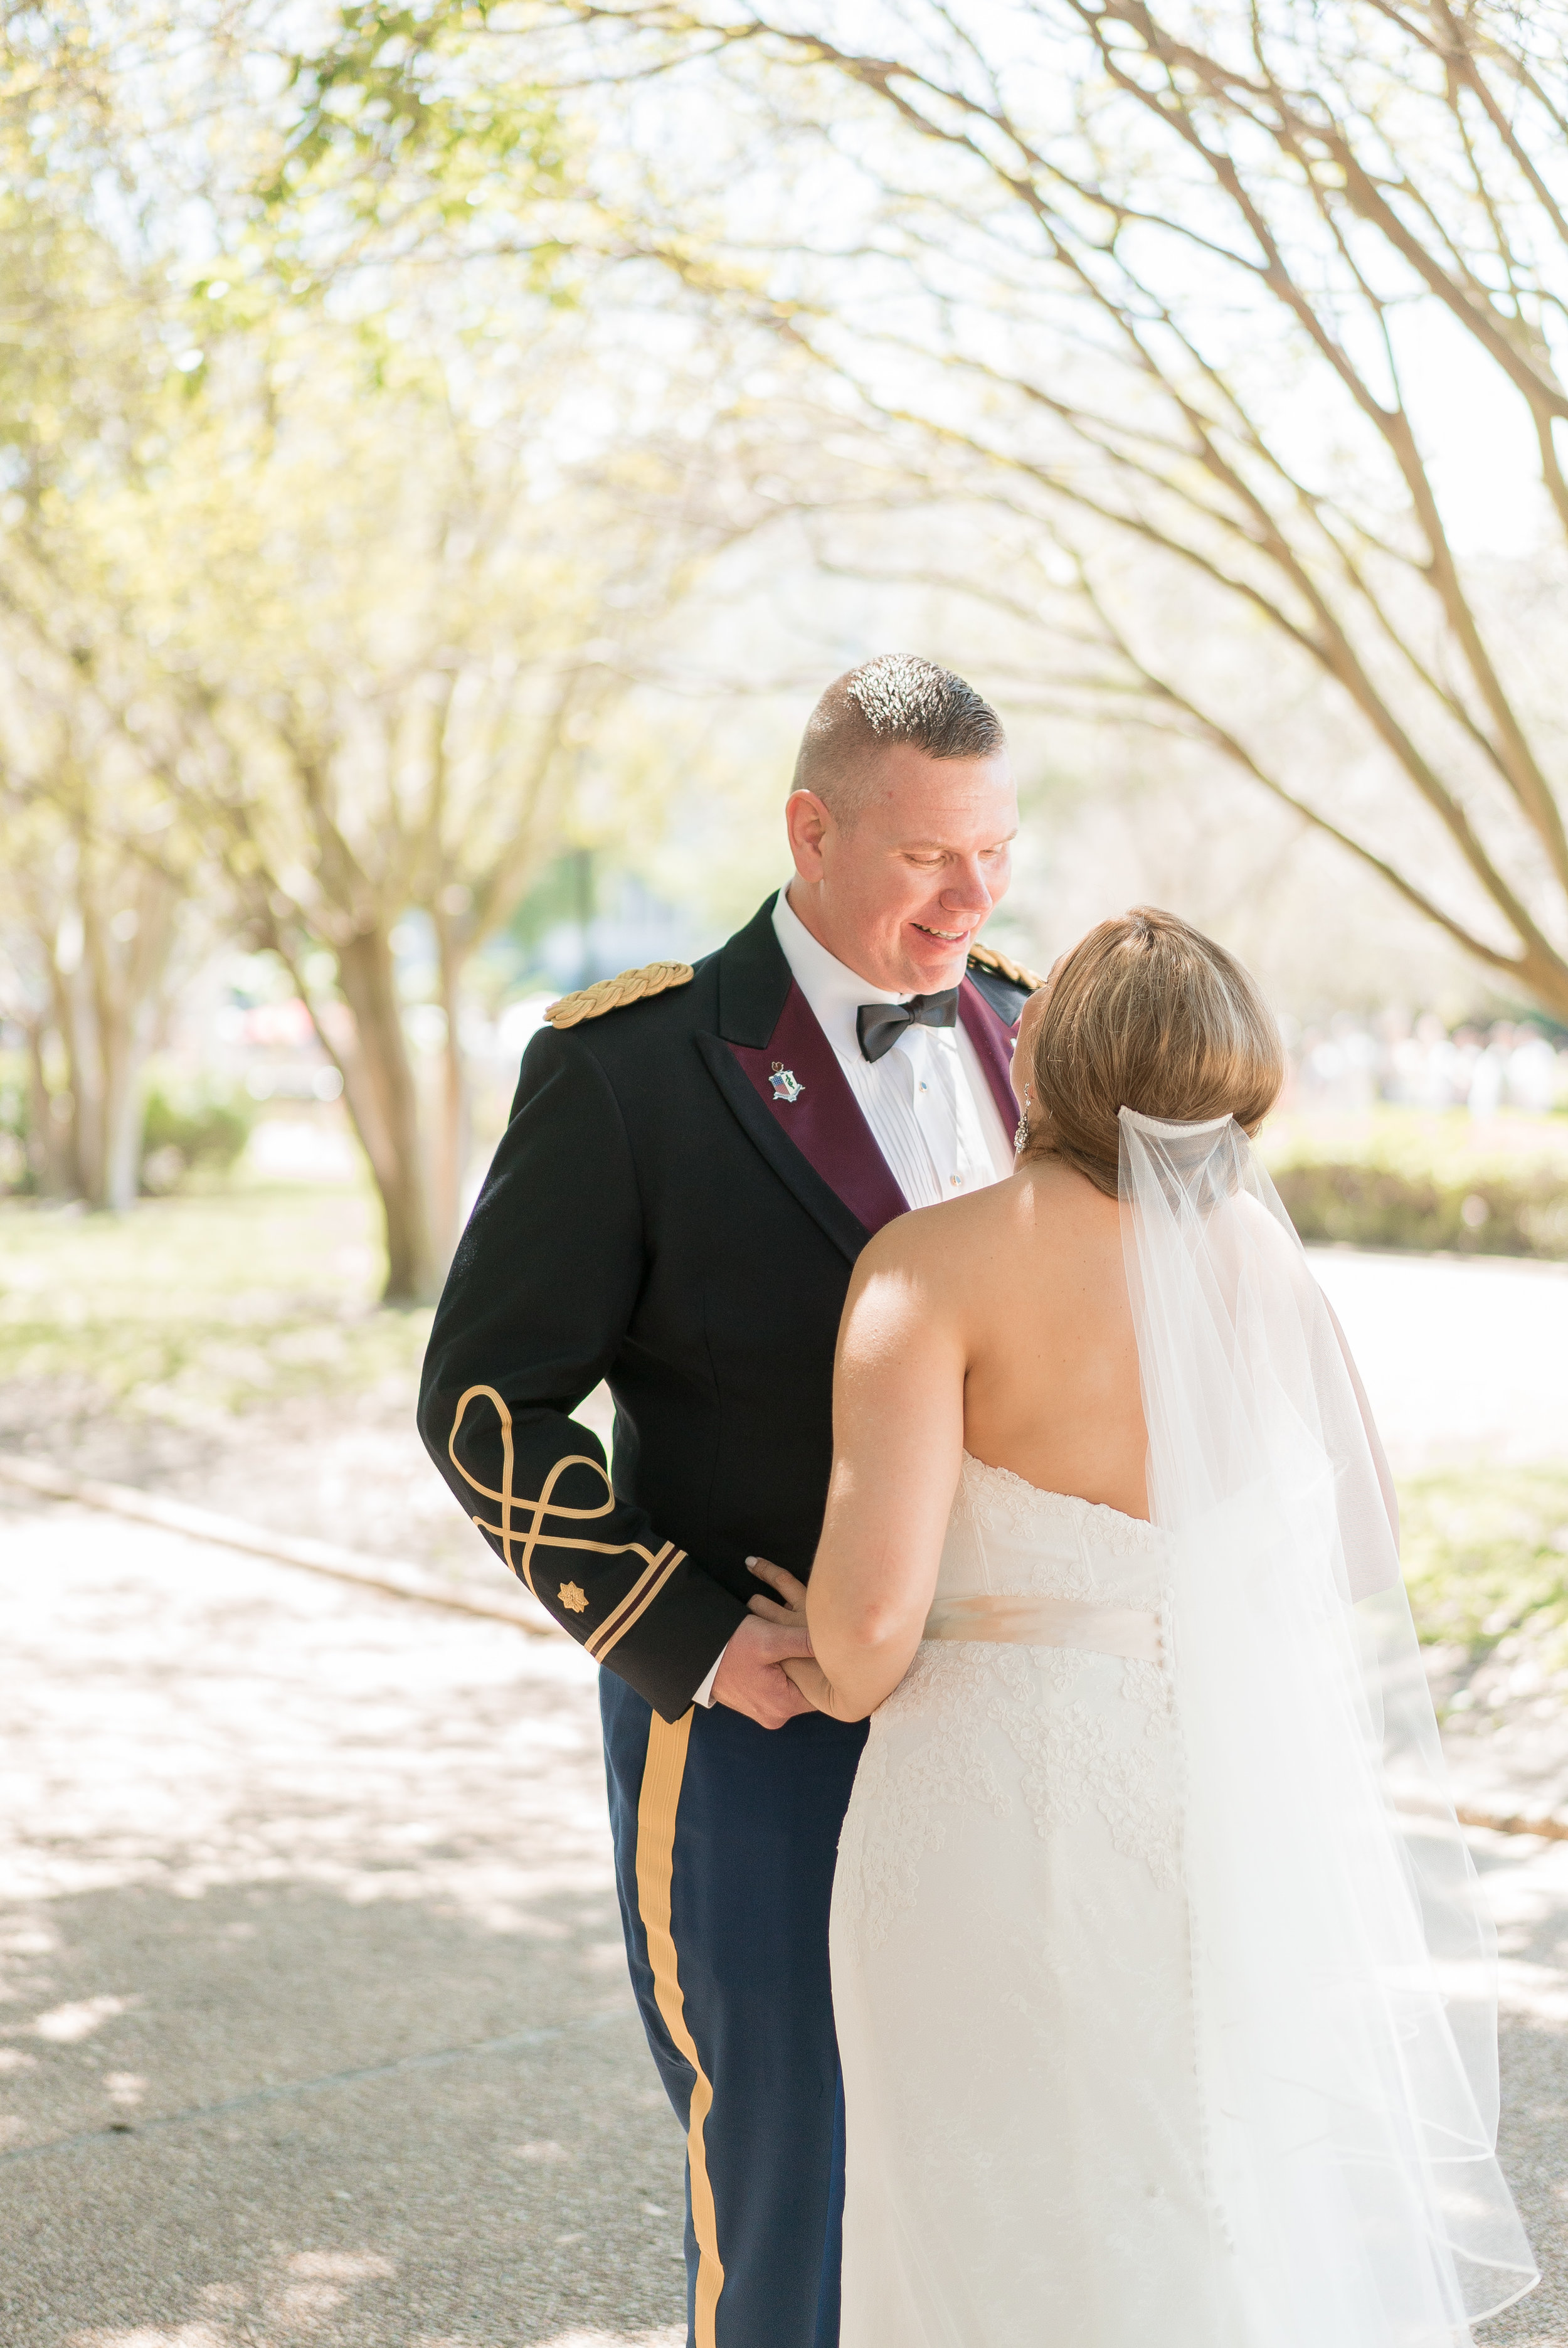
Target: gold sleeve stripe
(632,1595)
(522,1520)
(600,1646)
(657,1806)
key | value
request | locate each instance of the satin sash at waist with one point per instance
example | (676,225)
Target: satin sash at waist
(1131,1632)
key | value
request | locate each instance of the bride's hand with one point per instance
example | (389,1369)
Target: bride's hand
(789,1607)
(812,1681)
(791,1592)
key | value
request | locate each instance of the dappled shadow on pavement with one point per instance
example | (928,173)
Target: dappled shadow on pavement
(1526,1881)
(342,2123)
(313,2022)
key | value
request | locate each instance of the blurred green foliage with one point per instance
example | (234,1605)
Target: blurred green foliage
(190,1127)
(197,1127)
(1372,1206)
(385,122)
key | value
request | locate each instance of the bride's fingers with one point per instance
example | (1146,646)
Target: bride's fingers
(789,1588)
(772,1611)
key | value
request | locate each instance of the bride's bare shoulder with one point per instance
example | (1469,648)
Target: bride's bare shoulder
(946,1247)
(915,1278)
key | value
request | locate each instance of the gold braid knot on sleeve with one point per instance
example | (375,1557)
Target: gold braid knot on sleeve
(524,1525)
(613,994)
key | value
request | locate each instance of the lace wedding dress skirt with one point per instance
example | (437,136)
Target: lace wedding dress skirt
(1012,1978)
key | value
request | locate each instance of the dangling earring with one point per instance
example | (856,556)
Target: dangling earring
(1020,1138)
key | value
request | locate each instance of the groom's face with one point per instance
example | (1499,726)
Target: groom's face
(899,891)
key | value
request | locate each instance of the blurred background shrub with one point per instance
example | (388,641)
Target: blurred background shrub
(1367,1205)
(1445,1181)
(190,1128)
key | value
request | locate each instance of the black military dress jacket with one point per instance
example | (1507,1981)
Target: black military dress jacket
(675,1207)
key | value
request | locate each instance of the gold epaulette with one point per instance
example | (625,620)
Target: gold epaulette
(610,994)
(1005,967)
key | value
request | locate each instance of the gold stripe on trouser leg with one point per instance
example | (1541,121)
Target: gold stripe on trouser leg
(660,1797)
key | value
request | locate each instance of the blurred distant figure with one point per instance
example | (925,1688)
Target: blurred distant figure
(1489,1075)
(1356,1062)
(1532,1076)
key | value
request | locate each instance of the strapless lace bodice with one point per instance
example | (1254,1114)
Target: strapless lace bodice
(1007,1537)
(1062,1733)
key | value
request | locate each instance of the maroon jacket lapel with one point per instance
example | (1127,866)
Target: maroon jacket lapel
(993,1040)
(823,1120)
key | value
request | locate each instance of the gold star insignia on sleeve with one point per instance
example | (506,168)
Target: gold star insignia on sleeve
(574,1600)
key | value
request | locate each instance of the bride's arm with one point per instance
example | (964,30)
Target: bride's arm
(897,1445)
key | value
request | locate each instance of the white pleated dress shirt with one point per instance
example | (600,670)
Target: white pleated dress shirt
(927,1100)
(928,1104)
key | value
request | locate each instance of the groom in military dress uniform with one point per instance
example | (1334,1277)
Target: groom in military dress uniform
(695,1158)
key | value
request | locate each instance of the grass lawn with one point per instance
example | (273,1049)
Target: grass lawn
(1486,1557)
(223,1298)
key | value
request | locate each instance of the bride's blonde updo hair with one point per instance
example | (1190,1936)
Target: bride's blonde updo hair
(1146,1013)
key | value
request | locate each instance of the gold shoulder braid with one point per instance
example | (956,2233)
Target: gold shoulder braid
(1004,966)
(612,994)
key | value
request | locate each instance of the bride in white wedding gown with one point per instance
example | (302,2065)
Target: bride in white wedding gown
(1163,1991)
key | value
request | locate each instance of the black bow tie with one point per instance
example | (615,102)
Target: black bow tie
(880,1025)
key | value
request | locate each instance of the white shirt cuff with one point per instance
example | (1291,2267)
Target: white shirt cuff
(704,1695)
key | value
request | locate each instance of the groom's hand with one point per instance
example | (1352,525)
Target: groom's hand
(750,1676)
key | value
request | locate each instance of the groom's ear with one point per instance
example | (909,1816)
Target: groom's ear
(807,822)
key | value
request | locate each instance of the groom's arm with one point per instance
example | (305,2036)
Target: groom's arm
(534,1314)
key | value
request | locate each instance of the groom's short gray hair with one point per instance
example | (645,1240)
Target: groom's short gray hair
(896,697)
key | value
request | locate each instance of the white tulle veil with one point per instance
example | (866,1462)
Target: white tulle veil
(1342,1962)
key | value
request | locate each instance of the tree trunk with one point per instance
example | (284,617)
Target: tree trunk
(454,1138)
(130,1012)
(117,1022)
(109,1008)
(51,1136)
(379,1088)
(75,1019)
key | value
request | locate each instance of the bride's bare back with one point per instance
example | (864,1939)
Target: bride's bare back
(1030,1271)
(998,1324)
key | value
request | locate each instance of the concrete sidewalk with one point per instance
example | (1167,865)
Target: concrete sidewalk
(309,1893)
(1465,1359)
(313,2022)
